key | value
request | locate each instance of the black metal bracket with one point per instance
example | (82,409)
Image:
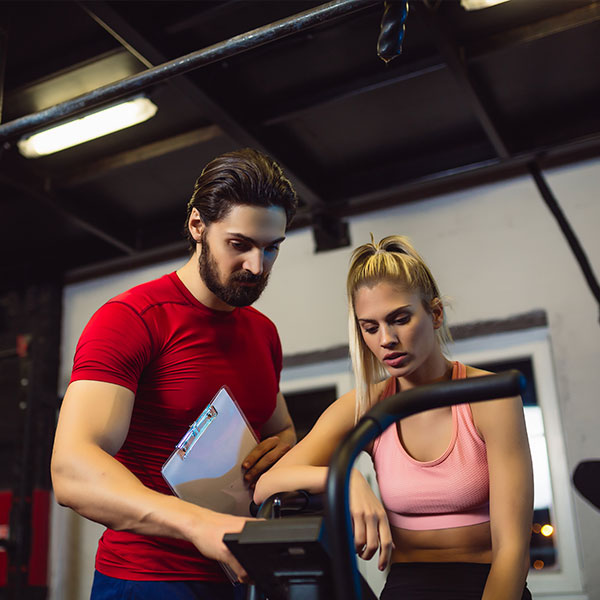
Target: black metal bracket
(330,232)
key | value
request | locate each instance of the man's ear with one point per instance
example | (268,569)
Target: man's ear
(196,225)
(437,313)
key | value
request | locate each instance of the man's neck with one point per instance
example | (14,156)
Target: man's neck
(190,277)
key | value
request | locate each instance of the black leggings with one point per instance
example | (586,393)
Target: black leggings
(438,581)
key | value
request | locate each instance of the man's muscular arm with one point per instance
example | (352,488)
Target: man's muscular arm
(279,435)
(93,424)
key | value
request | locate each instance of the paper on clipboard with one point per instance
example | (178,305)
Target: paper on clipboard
(205,467)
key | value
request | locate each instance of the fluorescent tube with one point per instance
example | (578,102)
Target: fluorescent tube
(92,126)
(477,4)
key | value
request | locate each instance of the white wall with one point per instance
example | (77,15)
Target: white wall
(496,251)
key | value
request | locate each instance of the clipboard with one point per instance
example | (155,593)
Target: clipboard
(206,466)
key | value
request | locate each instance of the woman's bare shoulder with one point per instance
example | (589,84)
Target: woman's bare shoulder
(476,372)
(492,416)
(379,387)
(349,398)
(339,414)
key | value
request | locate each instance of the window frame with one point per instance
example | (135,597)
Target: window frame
(317,375)
(565,582)
(336,373)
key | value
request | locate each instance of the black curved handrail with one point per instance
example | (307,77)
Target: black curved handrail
(374,423)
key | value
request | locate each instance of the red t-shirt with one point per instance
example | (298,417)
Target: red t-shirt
(174,353)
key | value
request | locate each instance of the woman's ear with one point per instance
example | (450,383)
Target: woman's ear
(196,225)
(437,313)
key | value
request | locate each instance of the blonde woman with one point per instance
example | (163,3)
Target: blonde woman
(456,482)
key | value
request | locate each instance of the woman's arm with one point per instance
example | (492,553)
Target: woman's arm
(278,436)
(502,425)
(305,467)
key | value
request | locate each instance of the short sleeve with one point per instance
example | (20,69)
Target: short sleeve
(114,347)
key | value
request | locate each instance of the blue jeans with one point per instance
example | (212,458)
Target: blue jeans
(110,588)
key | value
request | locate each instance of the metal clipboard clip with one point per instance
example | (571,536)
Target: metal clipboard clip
(196,430)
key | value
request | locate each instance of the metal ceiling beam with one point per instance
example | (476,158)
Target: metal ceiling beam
(201,16)
(184,64)
(391,194)
(156,149)
(50,202)
(139,259)
(355,87)
(532,32)
(189,62)
(81,77)
(475,50)
(475,98)
(457,66)
(3,52)
(133,40)
(114,32)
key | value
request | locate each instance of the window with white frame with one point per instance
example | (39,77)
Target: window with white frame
(555,560)
(314,385)
(559,577)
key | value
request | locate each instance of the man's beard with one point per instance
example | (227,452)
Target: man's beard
(233,292)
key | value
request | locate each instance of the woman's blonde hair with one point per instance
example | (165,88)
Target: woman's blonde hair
(393,260)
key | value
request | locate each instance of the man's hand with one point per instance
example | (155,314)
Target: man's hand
(207,535)
(266,454)
(87,477)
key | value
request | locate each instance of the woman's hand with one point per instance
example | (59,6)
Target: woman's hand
(369,520)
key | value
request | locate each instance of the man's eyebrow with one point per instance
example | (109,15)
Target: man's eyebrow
(253,241)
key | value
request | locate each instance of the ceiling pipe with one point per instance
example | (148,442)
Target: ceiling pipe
(194,60)
(3,51)
(122,30)
(565,227)
(459,69)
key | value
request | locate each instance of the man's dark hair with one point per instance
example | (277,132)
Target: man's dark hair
(243,177)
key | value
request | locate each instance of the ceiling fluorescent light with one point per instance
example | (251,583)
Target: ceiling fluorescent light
(477,4)
(92,126)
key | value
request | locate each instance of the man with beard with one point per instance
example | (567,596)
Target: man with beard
(145,367)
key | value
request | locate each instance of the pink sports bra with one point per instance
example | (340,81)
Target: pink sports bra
(451,491)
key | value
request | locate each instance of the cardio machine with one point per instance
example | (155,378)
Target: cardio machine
(310,556)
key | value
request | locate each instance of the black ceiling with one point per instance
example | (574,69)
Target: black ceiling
(475,96)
